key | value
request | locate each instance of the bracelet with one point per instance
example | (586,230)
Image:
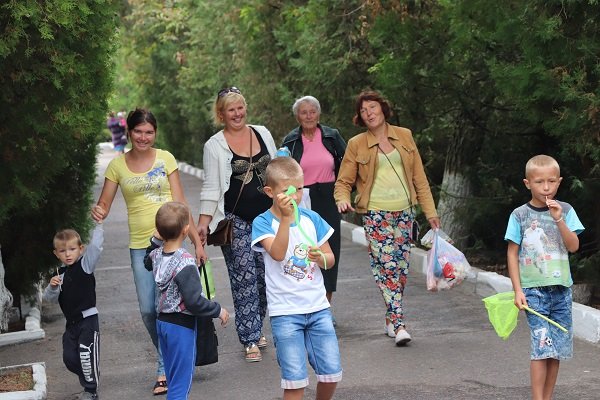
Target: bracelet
(558,220)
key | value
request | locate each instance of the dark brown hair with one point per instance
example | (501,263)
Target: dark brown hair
(140,116)
(370,95)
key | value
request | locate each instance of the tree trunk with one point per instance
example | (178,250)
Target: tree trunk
(6,299)
(457,189)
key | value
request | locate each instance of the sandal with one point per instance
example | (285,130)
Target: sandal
(253,353)
(262,342)
(162,386)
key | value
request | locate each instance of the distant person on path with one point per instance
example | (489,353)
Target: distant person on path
(74,287)
(385,166)
(319,149)
(547,293)
(301,319)
(179,298)
(235,159)
(148,178)
(118,133)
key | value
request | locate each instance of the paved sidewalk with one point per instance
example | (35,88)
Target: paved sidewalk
(455,353)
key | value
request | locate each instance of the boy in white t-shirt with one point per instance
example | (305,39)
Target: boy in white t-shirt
(300,314)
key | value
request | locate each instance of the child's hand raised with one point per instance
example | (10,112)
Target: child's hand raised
(284,205)
(55,281)
(555,208)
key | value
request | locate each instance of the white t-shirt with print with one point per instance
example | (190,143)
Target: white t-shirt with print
(294,285)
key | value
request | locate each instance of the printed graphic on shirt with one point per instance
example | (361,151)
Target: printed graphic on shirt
(535,252)
(151,183)
(299,266)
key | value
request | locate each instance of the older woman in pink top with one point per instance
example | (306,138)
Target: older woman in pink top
(319,149)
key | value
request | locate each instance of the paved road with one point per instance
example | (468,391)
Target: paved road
(454,353)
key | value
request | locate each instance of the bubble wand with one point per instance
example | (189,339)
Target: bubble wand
(291,190)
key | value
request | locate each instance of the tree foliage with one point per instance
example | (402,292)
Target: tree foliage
(55,74)
(483,88)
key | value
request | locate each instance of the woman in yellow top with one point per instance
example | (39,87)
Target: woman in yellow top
(385,166)
(148,178)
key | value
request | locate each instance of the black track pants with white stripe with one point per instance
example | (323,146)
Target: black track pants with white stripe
(81,346)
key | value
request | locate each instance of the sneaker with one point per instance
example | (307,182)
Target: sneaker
(402,337)
(389,330)
(88,396)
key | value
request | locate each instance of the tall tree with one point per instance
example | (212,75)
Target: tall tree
(55,76)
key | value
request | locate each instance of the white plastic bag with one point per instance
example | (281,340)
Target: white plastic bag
(446,265)
(427,240)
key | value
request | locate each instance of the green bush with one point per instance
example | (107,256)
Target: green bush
(55,74)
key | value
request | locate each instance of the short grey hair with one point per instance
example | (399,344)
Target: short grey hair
(306,99)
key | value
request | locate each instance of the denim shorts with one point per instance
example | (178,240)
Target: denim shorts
(547,341)
(297,335)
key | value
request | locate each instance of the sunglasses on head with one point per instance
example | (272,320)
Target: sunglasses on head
(232,89)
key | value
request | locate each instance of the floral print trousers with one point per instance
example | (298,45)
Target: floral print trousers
(388,240)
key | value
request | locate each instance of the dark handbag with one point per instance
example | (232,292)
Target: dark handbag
(223,234)
(207,342)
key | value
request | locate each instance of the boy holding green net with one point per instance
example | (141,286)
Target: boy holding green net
(547,290)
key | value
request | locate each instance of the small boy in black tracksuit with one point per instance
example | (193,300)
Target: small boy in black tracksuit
(74,287)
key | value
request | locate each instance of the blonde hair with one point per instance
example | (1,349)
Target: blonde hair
(282,168)
(171,219)
(224,101)
(66,235)
(540,160)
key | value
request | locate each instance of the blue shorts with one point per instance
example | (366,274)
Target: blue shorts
(120,147)
(297,335)
(547,341)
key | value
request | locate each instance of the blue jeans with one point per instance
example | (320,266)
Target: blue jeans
(146,293)
(297,335)
(547,341)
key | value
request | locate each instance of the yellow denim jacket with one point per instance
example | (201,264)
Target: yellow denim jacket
(360,161)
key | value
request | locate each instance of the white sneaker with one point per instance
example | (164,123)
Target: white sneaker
(402,337)
(389,330)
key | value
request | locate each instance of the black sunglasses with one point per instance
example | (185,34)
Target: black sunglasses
(232,89)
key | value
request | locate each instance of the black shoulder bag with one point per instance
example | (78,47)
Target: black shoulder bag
(207,342)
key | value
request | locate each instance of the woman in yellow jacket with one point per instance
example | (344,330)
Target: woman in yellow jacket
(384,165)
